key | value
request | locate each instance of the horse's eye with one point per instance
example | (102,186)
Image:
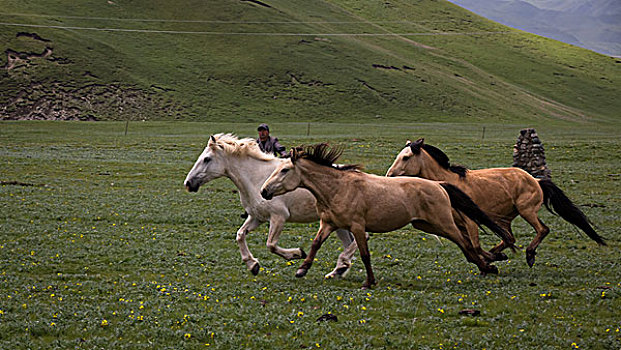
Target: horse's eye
(405,158)
(206,160)
(284,171)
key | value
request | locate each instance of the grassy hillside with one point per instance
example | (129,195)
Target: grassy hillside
(247,61)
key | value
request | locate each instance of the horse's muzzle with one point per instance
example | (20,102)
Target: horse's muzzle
(190,187)
(266,195)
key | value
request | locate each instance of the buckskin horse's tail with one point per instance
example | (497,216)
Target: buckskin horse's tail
(566,209)
(461,202)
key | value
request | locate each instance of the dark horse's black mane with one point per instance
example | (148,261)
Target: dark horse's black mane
(323,154)
(443,160)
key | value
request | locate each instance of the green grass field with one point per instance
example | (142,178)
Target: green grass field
(101,247)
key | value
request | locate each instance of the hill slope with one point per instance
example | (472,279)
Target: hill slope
(275,60)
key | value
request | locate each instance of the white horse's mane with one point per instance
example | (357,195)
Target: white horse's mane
(246,147)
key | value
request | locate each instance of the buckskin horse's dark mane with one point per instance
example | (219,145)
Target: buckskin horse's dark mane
(325,155)
(443,160)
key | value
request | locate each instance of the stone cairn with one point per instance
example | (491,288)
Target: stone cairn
(528,154)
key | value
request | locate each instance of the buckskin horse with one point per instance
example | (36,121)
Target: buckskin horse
(359,202)
(503,193)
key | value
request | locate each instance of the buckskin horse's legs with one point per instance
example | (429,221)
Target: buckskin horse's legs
(542,232)
(324,231)
(472,234)
(449,230)
(497,250)
(361,240)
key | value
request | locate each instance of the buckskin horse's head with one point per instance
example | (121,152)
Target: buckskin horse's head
(283,179)
(408,161)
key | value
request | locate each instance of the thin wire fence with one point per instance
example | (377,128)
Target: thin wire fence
(220,21)
(387,33)
(159,31)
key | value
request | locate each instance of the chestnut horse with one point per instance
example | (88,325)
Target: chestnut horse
(359,202)
(503,193)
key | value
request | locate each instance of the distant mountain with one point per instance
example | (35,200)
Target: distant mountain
(594,8)
(592,24)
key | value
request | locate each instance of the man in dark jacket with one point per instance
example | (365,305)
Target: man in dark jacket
(269,144)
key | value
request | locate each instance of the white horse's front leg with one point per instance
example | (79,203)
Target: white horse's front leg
(343,264)
(251,262)
(276,225)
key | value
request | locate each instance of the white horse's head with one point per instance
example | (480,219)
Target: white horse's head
(208,166)
(222,157)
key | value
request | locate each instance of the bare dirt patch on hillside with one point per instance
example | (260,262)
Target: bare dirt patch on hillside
(58,100)
(39,85)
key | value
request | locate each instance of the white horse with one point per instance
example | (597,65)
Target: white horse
(242,162)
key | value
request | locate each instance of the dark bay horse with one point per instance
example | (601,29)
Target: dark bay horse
(503,193)
(359,202)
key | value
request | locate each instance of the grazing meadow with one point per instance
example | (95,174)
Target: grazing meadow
(102,247)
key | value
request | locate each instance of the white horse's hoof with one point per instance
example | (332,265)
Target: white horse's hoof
(301,273)
(297,256)
(255,268)
(338,273)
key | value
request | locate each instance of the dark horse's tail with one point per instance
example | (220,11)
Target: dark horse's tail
(566,209)
(463,203)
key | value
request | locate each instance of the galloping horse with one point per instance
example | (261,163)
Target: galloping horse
(503,193)
(242,162)
(359,202)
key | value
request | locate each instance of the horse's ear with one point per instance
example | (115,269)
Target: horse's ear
(293,154)
(408,143)
(213,143)
(416,145)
